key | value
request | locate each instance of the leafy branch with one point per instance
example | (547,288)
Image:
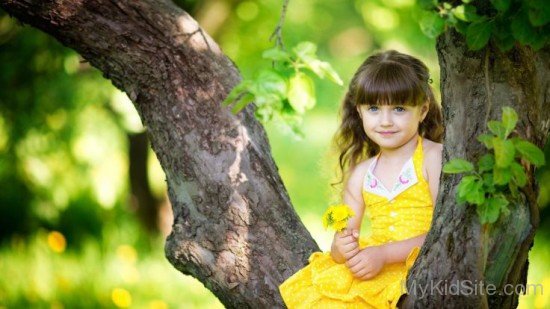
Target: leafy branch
(499,174)
(495,183)
(505,22)
(285,91)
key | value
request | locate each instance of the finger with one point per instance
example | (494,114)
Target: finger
(352,260)
(350,251)
(356,264)
(361,273)
(350,246)
(348,254)
(355,233)
(351,264)
(367,276)
(348,239)
(357,268)
(351,254)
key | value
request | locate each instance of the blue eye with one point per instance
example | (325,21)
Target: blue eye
(372,108)
(399,109)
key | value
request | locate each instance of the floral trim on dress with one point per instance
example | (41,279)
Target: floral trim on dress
(406,179)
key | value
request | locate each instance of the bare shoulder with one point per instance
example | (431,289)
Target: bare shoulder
(359,171)
(432,150)
(357,174)
(354,186)
(433,154)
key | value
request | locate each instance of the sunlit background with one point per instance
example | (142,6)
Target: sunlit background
(83,208)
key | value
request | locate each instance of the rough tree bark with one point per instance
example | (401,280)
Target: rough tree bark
(234,227)
(475,86)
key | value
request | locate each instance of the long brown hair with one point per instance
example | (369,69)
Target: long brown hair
(385,78)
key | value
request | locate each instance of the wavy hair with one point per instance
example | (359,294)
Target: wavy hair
(385,78)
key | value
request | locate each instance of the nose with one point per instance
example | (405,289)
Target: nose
(386,118)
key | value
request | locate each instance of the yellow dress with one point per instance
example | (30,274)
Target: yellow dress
(403,212)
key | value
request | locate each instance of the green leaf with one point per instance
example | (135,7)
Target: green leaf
(237,92)
(509,120)
(305,50)
(432,24)
(466,13)
(487,140)
(264,113)
(461,26)
(331,73)
(301,93)
(504,40)
(522,29)
(501,5)
(322,69)
(502,34)
(519,174)
(476,195)
(531,153)
(478,33)
(269,81)
(497,128)
(467,184)
(488,182)
(471,190)
(242,102)
(490,210)
(501,176)
(427,4)
(504,152)
(486,163)
(539,12)
(276,54)
(456,166)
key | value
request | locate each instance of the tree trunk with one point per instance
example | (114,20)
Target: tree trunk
(475,86)
(234,226)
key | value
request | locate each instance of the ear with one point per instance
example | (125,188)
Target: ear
(424,111)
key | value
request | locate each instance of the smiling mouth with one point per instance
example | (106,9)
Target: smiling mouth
(387,132)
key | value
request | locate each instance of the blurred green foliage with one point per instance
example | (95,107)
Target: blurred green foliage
(69,237)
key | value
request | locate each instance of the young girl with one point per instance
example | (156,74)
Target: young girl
(390,157)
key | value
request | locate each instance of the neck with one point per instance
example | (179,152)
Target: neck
(406,150)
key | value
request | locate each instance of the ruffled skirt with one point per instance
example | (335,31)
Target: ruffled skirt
(323,283)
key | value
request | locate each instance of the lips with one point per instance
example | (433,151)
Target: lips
(386,133)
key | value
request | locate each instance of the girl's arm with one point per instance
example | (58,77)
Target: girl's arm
(398,251)
(353,197)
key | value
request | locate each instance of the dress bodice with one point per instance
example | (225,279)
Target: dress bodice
(405,210)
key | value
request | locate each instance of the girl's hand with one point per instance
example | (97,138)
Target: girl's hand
(345,243)
(367,263)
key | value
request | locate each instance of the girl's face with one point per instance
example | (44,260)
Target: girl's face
(391,126)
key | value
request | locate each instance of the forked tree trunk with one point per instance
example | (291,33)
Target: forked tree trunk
(234,227)
(475,86)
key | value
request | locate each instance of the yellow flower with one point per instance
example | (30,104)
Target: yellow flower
(336,216)
(339,225)
(341,212)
